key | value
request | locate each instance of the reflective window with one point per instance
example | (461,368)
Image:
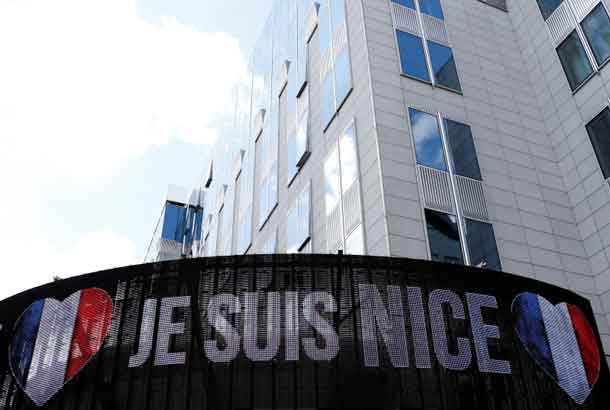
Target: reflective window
(337,12)
(412,57)
(574,60)
(328,99)
(407,3)
(443,237)
(443,66)
(349,158)
(599,132)
(324,27)
(343,77)
(331,181)
(291,146)
(428,142)
(174,220)
(462,148)
(354,244)
(482,245)
(432,8)
(298,223)
(597,29)
(547,7)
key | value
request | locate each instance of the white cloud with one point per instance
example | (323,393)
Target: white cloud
(86,83)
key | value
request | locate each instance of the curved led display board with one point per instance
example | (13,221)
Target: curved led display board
(300,332)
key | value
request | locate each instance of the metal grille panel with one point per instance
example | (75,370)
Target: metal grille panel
(435,29)
(405,19)
(584,7)
(436,188)
(351,207)
(561,23)
(334,230)
(472,198)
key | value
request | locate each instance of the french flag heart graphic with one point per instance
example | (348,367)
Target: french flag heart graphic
(561,341)
(54,340)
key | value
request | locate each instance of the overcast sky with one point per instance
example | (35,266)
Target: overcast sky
(102,104)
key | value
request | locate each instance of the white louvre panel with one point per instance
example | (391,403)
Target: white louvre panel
(584,7)
(169,249)
(283,76)
(351,208)
(472,198)
(340,39)
(436,188)
(325,65)
(312,21)
(561,23)
(291,123)
(435,29)
(334,231)
(405,19)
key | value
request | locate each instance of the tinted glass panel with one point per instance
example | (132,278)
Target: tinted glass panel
(574,60)
(349,162)
(343,77)
(482,245)
(444,237)
(407,3)
(462,150)
(412,57)
(597,29)
(599,132)
(428,143)
(174,220)
(432,7)
(443,66)
(547,7)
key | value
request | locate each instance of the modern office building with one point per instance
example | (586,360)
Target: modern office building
(464,131)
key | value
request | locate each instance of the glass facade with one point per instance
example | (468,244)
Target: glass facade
(599,132)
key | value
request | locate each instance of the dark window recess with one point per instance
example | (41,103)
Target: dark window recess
(574,60)
(443,66)
(599,132)
(444,237)
(462,149)
(482,245)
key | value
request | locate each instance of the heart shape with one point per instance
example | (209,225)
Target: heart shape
(53,341)
(561,341)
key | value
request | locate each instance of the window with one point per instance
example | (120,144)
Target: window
(332,182)
(432,8)
(444,237)
(298,223)
(443,66)
(462,150)
(547,7)
(328,99)
(412,55)
(428,142)
(596,27)
(482,245)
(343,78)
(349,158)
(298,138)
(574,60)
(420,57)
(599,132)
(174,220)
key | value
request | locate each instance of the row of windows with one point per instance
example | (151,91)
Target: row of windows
(422,58)
(587,47)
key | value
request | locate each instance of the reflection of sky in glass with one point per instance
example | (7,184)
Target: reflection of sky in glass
(407,3)
(428,143)
(349,163)
(412,58)
(331,181)
(597,29)
(432,7)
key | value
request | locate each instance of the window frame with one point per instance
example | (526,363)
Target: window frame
(605,111)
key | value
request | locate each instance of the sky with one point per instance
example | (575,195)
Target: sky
(102,105)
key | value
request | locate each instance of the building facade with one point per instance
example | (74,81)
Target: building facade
(463,131)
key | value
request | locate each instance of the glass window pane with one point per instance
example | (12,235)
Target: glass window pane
(302,134)
(432,7)
(324,28)
(331,181)
(428,143)
(547,7)
(292,240)
(574,60)
(291,146)
(599,132)
(349,160)
(462,150)
(337,12)
(444,237)
(597,29)
(482,245)
(354,244)
(328,99)
(174,220)
(407,3)
(343,77)
(443,66)
(412,57)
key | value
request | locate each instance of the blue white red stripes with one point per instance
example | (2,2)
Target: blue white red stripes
(561,341)
(53,340)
